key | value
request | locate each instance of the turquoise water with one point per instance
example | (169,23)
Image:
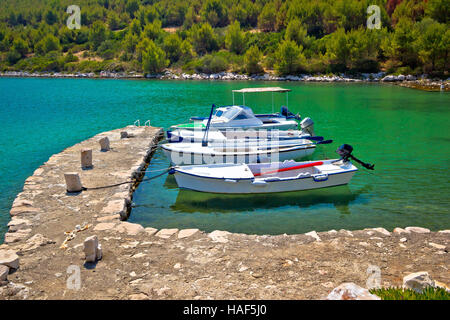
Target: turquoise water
(403,131)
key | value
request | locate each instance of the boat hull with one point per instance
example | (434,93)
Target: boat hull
(247,186)
(285,125)
(190,158)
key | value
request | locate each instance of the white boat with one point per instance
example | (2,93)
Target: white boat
(196,153)
(239,117)
(242,117)
(183,135)
(264,177)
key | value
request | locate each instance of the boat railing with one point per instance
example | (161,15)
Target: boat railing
(147,123)
(137,123)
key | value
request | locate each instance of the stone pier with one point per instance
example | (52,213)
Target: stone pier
(44,252)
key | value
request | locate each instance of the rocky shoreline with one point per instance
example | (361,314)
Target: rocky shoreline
(54,236)
(410,81)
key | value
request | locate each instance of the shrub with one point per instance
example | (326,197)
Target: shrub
(47,44)
(235,38)
(203,38)
(289,58)
(212,64)
(252,61)
(154,59)
(428,293)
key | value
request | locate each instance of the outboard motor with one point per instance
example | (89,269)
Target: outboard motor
(285,112)
(307,126)
(345,151)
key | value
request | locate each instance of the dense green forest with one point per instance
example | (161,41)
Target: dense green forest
(243,36)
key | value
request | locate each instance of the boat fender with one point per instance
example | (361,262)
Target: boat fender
(259,183)
(303,174)
(171,170)
(320,177)
(271,179)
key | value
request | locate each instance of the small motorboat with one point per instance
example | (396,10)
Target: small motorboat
(264,151)
(239,117)
(182,135)
(269,177)
(242,117)
(264,177)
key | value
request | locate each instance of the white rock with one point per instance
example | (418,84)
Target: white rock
(400,231)
(17,224)
(347,232)
(150,231)
(418,281)
(104,226)
(382,230)
(417,229)
(403,240)
(219,236)
(92,249)
(437,246)
(115,207)
(9,258)
(243,268)
(166,233)
(131,229)
(38,240)
(4,271)
(187,233)
(444,231)
(351,291)
(314,235)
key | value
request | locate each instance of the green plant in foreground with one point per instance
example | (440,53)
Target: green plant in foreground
(429,293)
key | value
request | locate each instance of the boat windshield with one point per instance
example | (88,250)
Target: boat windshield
(227,113)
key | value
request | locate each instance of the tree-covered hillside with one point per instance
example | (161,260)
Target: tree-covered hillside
(246,36)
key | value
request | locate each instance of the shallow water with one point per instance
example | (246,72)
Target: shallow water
(403,131)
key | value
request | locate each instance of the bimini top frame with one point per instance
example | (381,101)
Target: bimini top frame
(264,89)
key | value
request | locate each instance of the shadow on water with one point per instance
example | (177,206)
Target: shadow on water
(189,201)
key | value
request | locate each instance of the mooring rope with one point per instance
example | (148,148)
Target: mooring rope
(131,181)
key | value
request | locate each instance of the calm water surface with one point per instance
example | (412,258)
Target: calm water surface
(403,131)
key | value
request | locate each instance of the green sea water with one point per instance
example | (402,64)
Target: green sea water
(403,131)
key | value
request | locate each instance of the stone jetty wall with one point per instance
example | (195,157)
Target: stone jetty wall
(77,246)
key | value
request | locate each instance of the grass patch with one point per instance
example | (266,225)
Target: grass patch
(429,293)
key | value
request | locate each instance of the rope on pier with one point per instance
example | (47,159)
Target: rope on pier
(131,181)
(152,148)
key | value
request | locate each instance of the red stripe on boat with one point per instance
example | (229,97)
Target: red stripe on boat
(312,164)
